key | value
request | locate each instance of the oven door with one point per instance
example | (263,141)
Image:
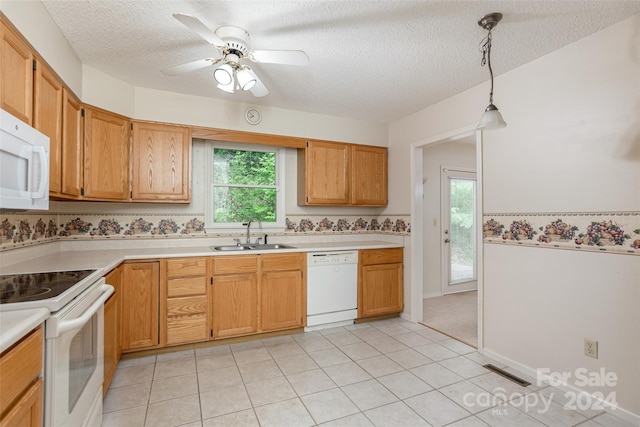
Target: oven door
(74,360)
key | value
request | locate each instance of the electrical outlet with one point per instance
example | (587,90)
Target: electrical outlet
(591,348)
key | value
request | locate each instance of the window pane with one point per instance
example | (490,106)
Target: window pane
(462,197)
(233,204)
(244,167)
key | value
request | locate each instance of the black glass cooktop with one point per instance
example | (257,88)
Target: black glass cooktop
(38,286)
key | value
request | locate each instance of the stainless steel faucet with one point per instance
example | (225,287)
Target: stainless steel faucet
(248,224)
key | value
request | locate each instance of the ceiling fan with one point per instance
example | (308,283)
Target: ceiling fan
(234,46)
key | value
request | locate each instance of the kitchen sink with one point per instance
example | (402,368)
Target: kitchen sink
(233,248)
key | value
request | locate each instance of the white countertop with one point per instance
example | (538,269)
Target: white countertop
(106,259)
(16,324)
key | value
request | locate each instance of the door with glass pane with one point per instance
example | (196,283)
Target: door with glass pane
(459,246)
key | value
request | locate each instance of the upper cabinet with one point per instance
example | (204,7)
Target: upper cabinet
(106,155)
(16,75)
(339,174)
(72,146)
(47,118)
(323,174)
(368,175)
(160,161)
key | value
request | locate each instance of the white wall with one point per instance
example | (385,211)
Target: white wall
(450,154)
(572,145)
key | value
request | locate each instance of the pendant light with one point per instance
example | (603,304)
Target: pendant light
(491,119)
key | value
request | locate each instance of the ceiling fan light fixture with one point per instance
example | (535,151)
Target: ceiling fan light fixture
(223,75)
(491,118)
(246,79)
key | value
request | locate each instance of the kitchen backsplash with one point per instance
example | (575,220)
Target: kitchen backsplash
(29,228)
(617,232)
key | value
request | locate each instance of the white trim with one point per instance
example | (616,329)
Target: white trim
(431,295)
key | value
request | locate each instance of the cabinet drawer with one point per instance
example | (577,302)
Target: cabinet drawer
(381,256)
(186,286)
(19,367)
(282,262)
(186,306)
(187,329)
(235,264)
(183,267)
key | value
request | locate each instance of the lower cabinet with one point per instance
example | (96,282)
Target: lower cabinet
(282,291)
(187,318)
(235,295)
(112,327)
(21,389)
(380,282)
(140,305)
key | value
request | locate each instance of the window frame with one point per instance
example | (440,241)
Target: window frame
(213,227)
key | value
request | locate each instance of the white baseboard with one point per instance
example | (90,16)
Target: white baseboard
(533,373)
(432,295)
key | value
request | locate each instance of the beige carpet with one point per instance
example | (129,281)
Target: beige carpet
(455,315)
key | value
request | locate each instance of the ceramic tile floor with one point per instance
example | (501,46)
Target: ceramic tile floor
(383,373)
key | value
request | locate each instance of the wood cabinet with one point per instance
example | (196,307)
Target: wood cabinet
(112,327)
(187,317)
(72,146)
(16,74)
(47,118)
(106,155)
(369,175)
(161,163)
(282,291)
(323,174)
(235,295)
(380,282)
(340,174)
(140,305)
(21,388)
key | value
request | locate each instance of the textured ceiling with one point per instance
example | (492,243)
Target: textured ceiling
(372,60)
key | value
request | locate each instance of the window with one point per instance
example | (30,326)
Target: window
(244,183)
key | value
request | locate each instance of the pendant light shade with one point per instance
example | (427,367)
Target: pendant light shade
(491,119)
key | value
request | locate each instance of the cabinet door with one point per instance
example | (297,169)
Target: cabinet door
(368,175)
(72,145)
(140,305)
(112,327)
(27,412)
(47,118)
(326,174)
(235,304)
(16,75)
(161,157)
(106,155)
(282,300)
(381,289)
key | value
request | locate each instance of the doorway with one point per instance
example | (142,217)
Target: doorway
(428,232)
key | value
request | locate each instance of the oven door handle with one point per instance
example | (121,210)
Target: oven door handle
(79,322)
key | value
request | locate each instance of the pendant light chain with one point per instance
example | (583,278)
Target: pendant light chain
(486,59)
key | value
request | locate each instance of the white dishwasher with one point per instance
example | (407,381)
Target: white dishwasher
(332,289)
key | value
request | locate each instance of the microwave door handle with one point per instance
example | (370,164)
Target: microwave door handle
(70,325)
(44,175)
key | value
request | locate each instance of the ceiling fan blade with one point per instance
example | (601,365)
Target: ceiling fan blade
(195,25)
(189,66)
(288,57)
(259,89)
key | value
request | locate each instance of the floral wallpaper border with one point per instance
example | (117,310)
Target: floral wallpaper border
(614,232)
(31,228)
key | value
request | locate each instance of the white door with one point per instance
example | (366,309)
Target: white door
(459,246)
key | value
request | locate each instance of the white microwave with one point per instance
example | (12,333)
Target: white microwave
(24,165)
